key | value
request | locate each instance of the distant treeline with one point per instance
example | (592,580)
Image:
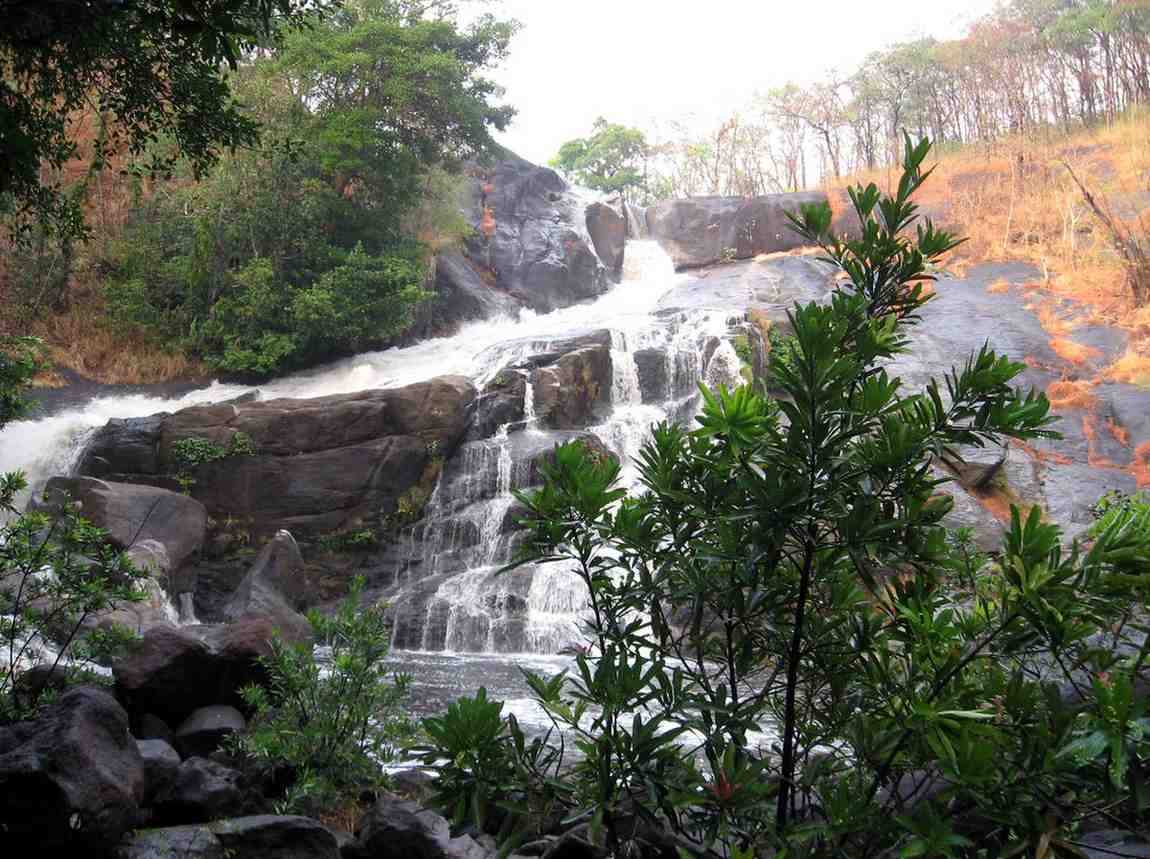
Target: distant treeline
(1030,65)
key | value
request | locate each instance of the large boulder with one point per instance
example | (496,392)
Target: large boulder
(163,528)
(608,231)
(396,828)
(173,671)
(73,778)
(702,230)
(319,465)
(161,763)
(531,236)
(185,842)
(575,391)
(464,292)
(275,588)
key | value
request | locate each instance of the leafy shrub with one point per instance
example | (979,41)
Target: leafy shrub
(332,725)
(189,453)
(787,566)
(349,541)
(488,768)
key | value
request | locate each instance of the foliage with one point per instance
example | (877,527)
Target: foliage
(316,244)
(56,571)
(116,59)
(491,768)
(786,565)
(611,160)
(334,724)
(349,541)
(187,454)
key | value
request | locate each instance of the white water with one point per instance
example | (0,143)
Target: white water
(461,535)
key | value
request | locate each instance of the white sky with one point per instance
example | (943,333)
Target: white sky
(641,62)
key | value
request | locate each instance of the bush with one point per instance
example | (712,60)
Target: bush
(787,566)
(332,725)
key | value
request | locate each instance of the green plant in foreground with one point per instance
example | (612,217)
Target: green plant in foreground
(786,566)
(335,724)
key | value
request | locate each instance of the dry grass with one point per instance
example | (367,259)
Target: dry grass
(1014,200)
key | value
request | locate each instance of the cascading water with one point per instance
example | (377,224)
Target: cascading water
(448,593)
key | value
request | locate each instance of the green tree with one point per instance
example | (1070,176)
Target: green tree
(612,159)
(786,568)
(147,68)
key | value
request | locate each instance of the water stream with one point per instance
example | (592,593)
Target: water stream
(450,599)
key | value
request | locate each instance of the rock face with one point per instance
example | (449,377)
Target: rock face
(163,525)
(531,236)
(575,390)
(608,229)
(72,778)
(320,464)
(702,230)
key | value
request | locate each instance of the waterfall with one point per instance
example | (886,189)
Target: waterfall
(448,592)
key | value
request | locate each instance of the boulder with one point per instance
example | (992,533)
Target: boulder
(320,464)
(275,587)
(654,376)
(74,777)
(268,836)
(169,673)
(704,230)
(237,650)
(575,391)
(531,236)
(500,403)
(203,790)
(185,842)
(124,446)
(149,726)
(608,229)
(160,526)
(464,292)
(395,827)
(161,762)
(206,729)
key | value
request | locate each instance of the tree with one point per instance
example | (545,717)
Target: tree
(147,68)
(611,160)
(303,248)
(786,568)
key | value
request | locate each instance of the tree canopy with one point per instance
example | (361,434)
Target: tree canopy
(148,68)
(611,159)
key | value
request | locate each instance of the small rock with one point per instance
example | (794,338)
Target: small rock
(186,842)
(206,729)
(395,827)
(204,790)
(161,763)
(276,837)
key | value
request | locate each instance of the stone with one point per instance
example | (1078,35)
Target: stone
(500,403)
(74,777)
(149,726)
(396,827)
(268,836)
(203,790)
(206,729)
(608,229)
(320,465)
(575,391)
(1109,843)
(274,588)
(572,846)
(169,673)
(124,445)
(163,527)
(654,379)
(161,762)
(185,842)
(703,230)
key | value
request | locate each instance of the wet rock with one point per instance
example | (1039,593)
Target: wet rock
(185,842)
(531,236)
(268,836)
(654,378)
(161,762)
(464,291)
(74,777)
(701,230)
(576,390)
(207,728)
(167,526)
(203,790)
(397,828)
(321,464)
(274,588)
(608,229)
(124,445)
(169,673)
(500,403)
